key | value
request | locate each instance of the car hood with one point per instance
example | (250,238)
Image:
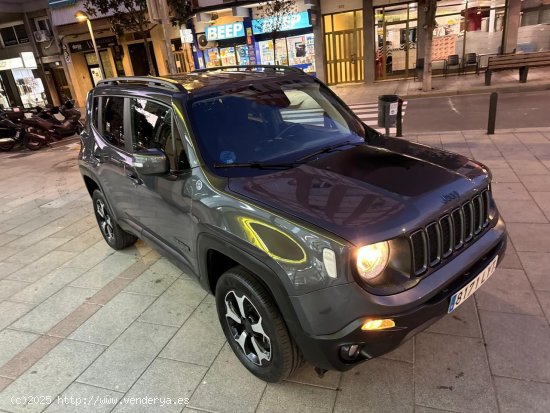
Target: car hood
(371,192)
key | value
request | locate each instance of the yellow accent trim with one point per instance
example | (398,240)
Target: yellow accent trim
(257,241)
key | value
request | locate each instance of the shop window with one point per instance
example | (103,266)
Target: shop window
(113,121)
(14,34)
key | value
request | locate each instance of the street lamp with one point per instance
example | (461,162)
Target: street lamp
(80,16)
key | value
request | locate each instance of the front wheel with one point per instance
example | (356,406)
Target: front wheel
(254,326)
(33,142)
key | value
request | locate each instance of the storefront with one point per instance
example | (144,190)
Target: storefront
(226,45)
(463,27)
(294,41)
(18,84)
(110,58)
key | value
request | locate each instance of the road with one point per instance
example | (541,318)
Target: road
(466,112)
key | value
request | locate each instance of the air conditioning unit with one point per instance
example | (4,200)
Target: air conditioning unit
(204,43)
(41,36)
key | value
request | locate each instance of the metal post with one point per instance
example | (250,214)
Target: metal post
(492,113)
(399,125)
(95,48)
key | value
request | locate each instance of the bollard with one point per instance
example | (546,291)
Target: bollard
(492,113)
(399,123)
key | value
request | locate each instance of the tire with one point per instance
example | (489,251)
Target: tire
(33,142)
(7,146)
(115,236)
(274,356)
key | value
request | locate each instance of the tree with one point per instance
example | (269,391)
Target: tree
(428,7)
(181,11)
(274,15)
(125,15)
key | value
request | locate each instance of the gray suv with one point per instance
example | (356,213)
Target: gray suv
(321,239)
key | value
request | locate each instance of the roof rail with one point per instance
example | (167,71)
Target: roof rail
(149,80)
(250,67)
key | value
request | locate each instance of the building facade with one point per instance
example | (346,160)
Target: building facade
(31,72)
(46,55)
(367,40)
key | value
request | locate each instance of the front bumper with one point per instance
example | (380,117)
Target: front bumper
(325,350)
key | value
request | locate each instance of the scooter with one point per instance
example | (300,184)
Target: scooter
(12,134)
(46,124)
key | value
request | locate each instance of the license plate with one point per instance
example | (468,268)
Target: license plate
(17,134)
(460,296)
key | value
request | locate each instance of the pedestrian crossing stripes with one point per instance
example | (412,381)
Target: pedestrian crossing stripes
(367,112)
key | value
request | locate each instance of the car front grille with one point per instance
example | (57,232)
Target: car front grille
(440,239)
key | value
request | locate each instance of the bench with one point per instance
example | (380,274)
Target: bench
(521,61)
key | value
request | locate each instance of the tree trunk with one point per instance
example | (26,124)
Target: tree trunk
(152,71)
(428,7)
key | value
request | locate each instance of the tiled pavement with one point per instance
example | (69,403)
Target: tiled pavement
(99,327)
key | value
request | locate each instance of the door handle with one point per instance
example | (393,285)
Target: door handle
(134,178)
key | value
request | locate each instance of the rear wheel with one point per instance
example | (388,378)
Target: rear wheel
(254,326)
(33,142)
(115,236)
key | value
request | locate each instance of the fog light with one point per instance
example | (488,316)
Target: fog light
(380,324)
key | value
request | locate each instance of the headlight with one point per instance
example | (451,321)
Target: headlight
(372,259)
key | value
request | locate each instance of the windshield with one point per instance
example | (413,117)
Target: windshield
(271,123)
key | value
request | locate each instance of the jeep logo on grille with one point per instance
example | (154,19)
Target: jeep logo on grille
(451,196)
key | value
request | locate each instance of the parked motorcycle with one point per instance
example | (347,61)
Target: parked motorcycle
(12,134)
(44,123)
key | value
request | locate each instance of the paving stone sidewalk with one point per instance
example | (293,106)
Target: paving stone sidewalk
(86,329)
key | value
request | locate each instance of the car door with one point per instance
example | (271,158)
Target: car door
(112,150)
(161,204)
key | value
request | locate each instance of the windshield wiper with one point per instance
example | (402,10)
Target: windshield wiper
(328,149)
(257,165)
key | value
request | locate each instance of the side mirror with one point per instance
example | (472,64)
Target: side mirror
(151,162)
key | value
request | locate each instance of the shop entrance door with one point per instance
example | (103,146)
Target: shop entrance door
(61,84)
(344,47)
(138,57)
(396,37)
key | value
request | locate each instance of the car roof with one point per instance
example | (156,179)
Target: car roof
(206,81)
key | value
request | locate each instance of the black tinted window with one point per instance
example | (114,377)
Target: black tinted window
(113,121)
(95,112)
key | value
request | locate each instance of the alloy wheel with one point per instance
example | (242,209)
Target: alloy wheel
(105,222)
(245,325)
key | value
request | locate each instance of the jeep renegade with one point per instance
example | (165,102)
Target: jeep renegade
(321,239)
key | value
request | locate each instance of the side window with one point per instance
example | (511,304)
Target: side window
(151,124)
(113,121)
(95,112)
(153,127)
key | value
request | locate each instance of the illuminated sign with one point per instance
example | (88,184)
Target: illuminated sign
(289,22)
(15,63)
(28,60)
(225,31)
(186,35)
